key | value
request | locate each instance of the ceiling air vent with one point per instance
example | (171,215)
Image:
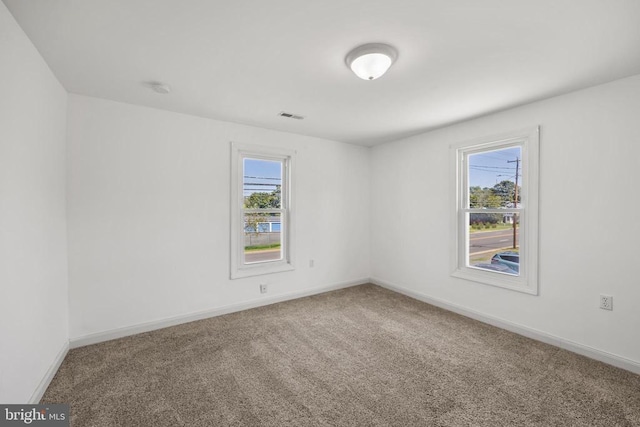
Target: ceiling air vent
(290,115)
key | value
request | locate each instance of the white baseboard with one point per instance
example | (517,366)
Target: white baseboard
(584,350)
(48,376)
(219,311)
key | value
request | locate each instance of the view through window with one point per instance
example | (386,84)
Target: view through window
(494,203)
(263,213)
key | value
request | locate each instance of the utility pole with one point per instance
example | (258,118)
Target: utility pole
(515,198)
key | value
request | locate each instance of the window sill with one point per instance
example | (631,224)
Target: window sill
(260,269)
(506,281)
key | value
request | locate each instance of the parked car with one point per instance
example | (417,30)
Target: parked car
(509,258)
(496,267)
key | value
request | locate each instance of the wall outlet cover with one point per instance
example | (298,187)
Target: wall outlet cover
(606,302)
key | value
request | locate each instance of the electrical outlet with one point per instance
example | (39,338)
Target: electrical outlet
(606,302)
(263,288)
(311,263)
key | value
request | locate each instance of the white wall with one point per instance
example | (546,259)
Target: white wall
(148,212)
(589,227)
(33,251)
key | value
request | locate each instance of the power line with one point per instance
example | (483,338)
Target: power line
(500,153)
(491,167)
(493,172)
(262,177)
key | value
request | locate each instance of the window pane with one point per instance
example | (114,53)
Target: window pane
(491,242)
(262,184)
(262,245)
(492,178)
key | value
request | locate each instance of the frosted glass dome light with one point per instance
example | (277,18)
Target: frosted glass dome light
(370,61)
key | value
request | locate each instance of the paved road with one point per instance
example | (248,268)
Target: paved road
(480,242)
(257,256)
(490,240)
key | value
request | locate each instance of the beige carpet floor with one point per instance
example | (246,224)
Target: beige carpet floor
(362,356)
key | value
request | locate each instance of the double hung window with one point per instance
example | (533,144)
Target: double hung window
(261,214)
(496,210)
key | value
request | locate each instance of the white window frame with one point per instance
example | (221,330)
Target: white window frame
(287,220)
(527,280)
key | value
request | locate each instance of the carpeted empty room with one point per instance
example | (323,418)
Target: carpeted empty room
(358,356)
(319,213)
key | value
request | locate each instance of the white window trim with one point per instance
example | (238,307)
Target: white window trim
(238,153)
(527,281)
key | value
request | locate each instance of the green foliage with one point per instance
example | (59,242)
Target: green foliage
(483,220)
(483,198)
(505,191)
(252,220)
(258,200)
(261,247)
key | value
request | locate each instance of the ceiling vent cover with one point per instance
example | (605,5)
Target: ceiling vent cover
(290,115)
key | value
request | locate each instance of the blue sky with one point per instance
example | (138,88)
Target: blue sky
(261,175)
(488,168)
(485,170)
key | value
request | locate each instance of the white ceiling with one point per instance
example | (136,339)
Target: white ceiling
(245,61)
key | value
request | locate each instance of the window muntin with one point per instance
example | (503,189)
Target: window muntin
(261,217)
(495,214)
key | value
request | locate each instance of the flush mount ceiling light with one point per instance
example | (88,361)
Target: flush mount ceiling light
(371,60)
